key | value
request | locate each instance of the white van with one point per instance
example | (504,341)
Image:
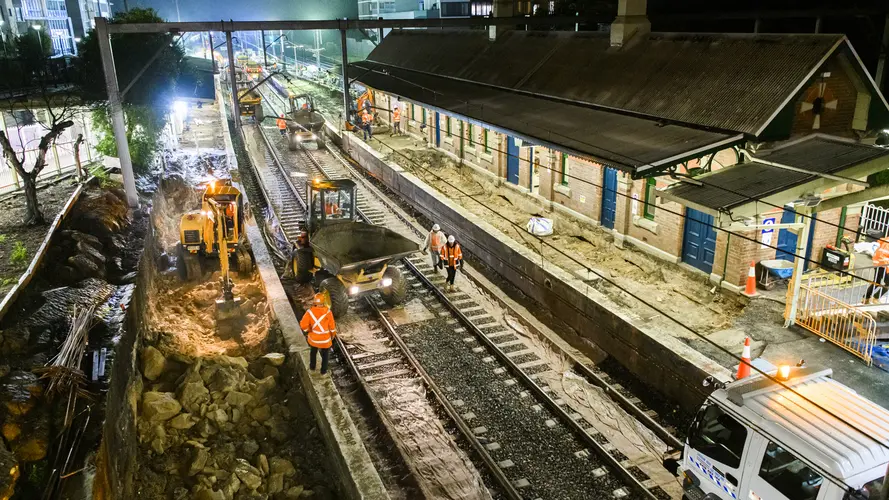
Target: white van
(755,440)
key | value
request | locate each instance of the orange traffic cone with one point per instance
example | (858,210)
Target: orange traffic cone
(744,366)
(750,288)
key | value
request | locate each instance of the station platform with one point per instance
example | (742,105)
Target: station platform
(719,320)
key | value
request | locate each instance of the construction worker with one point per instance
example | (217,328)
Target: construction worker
(451,256)
(881,276)
(396,121)
(320,329)
(435,239)
(282,125)
(366,120)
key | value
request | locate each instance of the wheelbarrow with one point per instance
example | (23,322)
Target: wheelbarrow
(771,272)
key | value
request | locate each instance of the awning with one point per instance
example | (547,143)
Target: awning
(639,146)
(807,166)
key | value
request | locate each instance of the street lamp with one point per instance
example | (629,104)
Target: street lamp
(37,28)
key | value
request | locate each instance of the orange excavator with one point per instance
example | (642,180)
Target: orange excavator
(365,102)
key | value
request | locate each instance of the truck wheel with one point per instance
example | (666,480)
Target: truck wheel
(292,143)
(188,265)
(320,276)
(319,141)
(395,293)
(257,112)
(245,263)
(305,260)
(339,300)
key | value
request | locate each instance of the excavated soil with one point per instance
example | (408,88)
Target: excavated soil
(671,288)
(221,414)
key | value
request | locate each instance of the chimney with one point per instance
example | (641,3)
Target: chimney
(630,21)
(501,8)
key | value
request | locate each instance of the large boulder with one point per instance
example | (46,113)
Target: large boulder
(182,421)
(278,465)
(249,475)
(153,363)
(192,395)
(198,461)
(85,266)
(159,406)
(236,398)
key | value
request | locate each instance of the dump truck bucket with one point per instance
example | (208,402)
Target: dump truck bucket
(349,246)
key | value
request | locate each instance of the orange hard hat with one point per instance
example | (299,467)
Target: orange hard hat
(319,299)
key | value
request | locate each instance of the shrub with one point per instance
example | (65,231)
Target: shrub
(19,255)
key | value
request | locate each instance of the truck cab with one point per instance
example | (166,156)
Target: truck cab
(756,439)
(330,201)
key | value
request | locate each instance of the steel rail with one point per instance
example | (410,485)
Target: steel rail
(507,487)
(572,424)
(495,470)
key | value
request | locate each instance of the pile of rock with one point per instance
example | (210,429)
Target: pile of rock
(219,431)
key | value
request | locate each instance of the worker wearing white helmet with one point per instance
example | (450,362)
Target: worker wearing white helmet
(433,243)
(451,257)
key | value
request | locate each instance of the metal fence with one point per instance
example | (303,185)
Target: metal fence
(834,319)
(874,217)
(59,161)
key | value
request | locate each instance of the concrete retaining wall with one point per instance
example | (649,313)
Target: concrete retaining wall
(116,463)
(656,357)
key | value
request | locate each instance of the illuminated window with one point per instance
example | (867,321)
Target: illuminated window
(650,195)
(564,169)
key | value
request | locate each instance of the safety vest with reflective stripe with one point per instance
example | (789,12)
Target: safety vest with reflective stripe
(366,118)
(396,115)
(282,124)
(318,321)
(881,256)
(437,240)
(451,254)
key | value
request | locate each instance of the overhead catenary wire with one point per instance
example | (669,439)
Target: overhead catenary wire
(682,215)
(647,303)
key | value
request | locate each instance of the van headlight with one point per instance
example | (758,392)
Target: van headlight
(314,137)
(299,138)
(387,282)
(354,289)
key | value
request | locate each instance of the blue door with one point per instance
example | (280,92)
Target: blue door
(609,197)
(699,242)
(786,239)
(512,160)
(437,131)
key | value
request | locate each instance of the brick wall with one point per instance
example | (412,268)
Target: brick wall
(839,87)
(665,231)
(578,195)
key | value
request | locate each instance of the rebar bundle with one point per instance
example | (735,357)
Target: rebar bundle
(63,370)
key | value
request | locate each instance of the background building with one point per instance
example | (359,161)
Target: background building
(83,12)
(50,15)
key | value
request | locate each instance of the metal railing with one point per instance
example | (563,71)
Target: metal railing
(849,287)
(59,161)
(833,319)
(874,217)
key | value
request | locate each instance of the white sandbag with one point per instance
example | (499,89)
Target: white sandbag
(540,226)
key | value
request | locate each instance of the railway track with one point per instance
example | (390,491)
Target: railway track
(488,379)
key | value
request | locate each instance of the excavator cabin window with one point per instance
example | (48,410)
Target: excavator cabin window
(302,103)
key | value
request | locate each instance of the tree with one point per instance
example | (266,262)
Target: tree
(147,101)
(36,83)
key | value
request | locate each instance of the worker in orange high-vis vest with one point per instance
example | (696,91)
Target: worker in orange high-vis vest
(320,329)
(451,256)
(366,122)
(435,239)
(881,276)
(396,121)
(282,125)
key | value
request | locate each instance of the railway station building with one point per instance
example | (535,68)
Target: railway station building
(654,136)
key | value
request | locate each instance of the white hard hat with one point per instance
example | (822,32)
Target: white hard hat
(435,227)
(451,239)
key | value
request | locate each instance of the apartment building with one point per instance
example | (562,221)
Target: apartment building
(84,12)
(52,18)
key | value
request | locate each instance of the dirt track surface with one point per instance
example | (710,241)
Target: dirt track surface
(671,288)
